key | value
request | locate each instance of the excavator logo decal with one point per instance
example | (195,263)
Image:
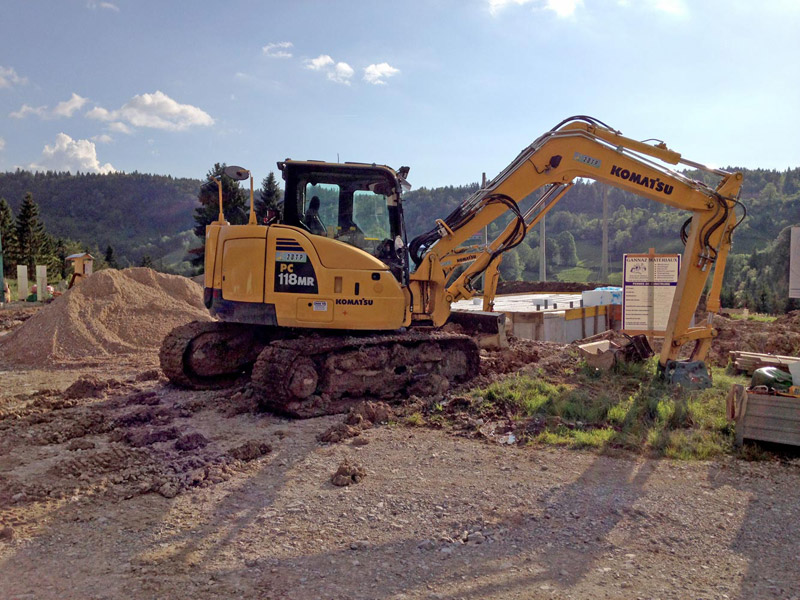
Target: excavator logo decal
(654,184)
(354,301)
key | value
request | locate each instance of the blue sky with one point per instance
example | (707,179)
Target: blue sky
(449,88)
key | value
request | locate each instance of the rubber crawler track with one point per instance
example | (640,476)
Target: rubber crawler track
(237,343)
(317,375)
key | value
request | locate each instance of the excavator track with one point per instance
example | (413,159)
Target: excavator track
(318,375)
(207,355)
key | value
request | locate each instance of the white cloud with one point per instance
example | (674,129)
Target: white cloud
(119,127)
(103,138)
(673,7)
(339,72)
(25,110)
(376,74)
(63,109)
(2,144)
(71,155)
(562,8)
(156,111)
(323,61)
(9,77)
(278,49)
(677,8)
(68,107)
(105,5)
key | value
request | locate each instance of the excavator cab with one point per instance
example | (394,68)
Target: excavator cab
(357,204)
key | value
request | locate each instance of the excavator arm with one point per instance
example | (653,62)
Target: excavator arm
(582,147)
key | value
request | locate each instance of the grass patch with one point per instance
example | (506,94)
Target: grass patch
(415,419)
(757,317)
(631,408)
(576,274)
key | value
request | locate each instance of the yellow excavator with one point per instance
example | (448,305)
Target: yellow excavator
(322,306)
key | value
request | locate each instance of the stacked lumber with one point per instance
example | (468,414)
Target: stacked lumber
(750,361)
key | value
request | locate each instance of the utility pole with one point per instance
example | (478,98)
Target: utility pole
(542,255)
(604,267)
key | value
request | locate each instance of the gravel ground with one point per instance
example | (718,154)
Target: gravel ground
(99,500)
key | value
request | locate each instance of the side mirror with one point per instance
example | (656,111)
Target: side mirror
(237,173)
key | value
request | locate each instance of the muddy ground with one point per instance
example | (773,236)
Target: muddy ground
(114,484)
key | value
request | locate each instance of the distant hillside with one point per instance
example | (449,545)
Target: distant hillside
(136,214)
(153,215)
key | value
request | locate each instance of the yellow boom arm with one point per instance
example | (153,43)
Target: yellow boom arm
(581,147)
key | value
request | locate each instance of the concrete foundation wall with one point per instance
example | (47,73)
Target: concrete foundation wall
(558,325)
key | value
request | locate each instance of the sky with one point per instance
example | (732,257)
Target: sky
(449,88)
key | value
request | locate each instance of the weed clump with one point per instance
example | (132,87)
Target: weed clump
(631,409)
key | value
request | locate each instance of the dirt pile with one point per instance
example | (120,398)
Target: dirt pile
(779,337)
(111,313)
(15,316)
(118,439)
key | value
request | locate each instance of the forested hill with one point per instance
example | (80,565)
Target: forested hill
(152,215)
(135,213)
(772,199)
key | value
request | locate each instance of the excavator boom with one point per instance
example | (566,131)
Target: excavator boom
(582,147)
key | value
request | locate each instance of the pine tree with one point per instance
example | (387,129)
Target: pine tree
(61,253)
(234,204)
(33,246)
(270,197)
(146,261)
(110,259)
(8,236)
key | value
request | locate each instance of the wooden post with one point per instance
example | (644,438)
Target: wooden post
(41,283)
(22,282)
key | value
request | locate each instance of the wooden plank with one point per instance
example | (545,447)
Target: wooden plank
(764,355)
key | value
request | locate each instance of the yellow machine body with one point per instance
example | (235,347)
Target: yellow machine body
(294,273)
(283,276)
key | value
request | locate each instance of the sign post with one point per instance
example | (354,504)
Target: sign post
(649,285)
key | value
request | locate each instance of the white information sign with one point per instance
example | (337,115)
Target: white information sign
(648,288)
(794,264)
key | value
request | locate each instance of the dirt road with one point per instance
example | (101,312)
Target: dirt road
(123,487)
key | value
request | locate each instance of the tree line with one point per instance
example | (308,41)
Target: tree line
(156,220)
(26,242)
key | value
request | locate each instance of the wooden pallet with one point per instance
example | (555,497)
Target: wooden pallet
(750,361)
(764,417)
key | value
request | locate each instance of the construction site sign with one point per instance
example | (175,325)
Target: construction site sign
(649,283)
(794,264)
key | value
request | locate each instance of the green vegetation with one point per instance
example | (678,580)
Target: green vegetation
(235,206)
(135,213)
(151,215)
(757,317)
(630,409)
(26,242)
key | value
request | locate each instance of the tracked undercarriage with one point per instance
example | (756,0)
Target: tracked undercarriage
(311,375)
